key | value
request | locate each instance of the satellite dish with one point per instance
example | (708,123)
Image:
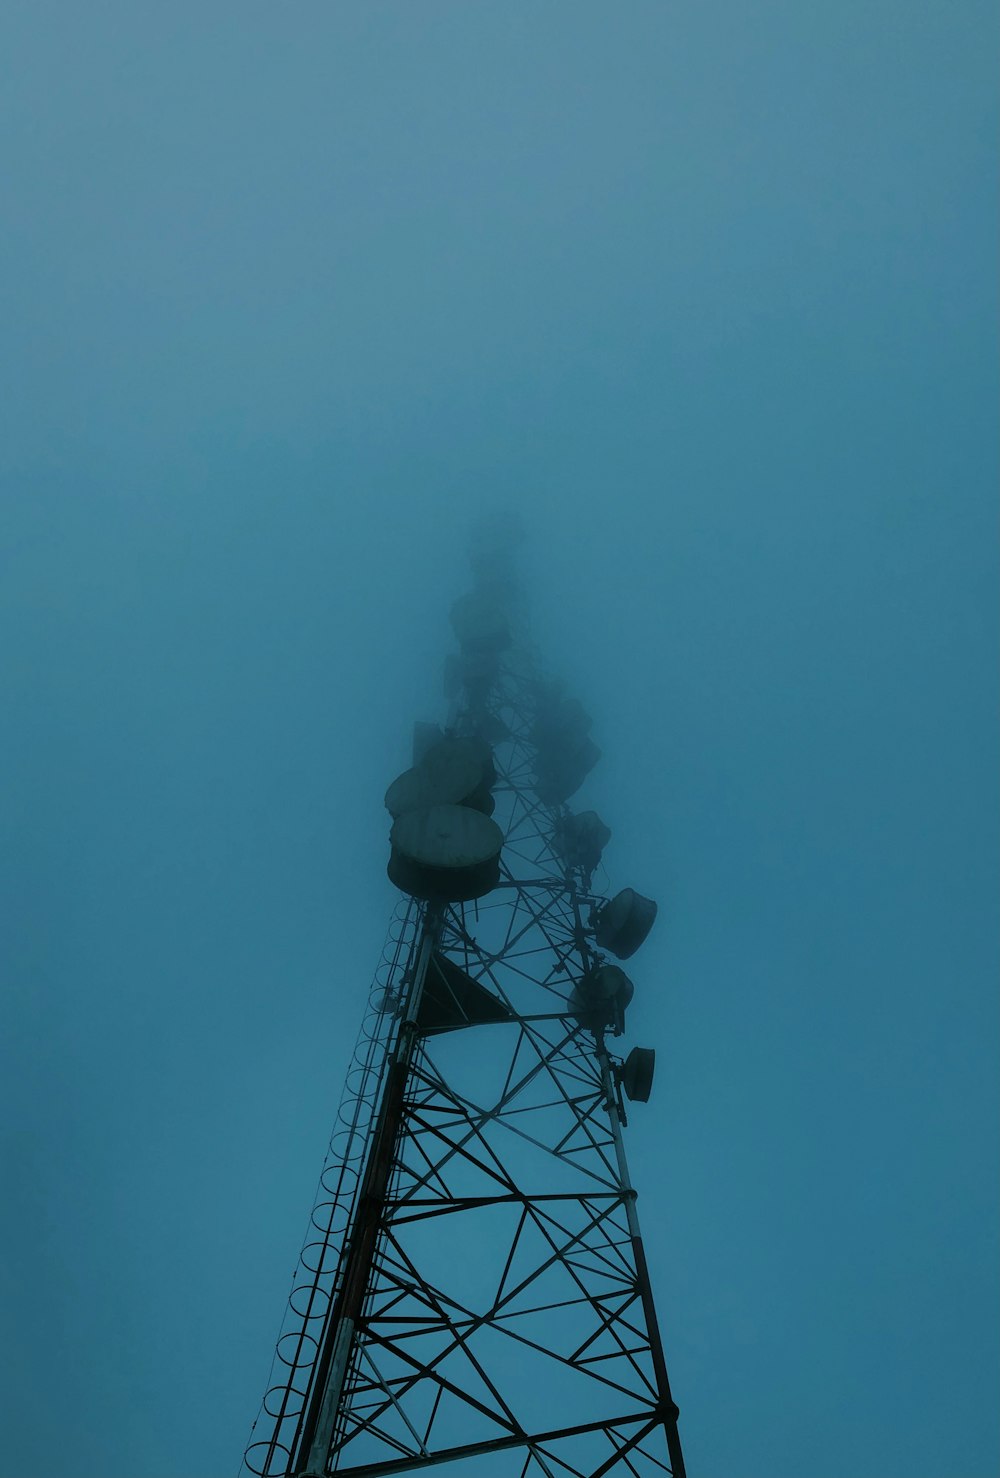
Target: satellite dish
(439,758)
(419,788)
(451,772)
(622,925)
(637,1074)
(600,998)
(445,854)
(562,770)
(581,839)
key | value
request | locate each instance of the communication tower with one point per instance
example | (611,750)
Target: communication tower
(473,1290)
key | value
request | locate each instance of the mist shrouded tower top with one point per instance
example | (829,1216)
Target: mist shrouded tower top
(473,1291)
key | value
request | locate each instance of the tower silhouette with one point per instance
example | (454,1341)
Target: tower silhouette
(473,1291)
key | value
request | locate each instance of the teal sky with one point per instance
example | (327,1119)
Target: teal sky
(287,294)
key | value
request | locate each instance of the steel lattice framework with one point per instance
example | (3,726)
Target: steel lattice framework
(474,1288)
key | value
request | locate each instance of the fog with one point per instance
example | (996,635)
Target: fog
(290,295)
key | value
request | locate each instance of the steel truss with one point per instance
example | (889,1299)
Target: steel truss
(474,1288)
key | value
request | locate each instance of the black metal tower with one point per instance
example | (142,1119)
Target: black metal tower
(473,1290)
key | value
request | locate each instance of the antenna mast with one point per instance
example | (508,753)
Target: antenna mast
(473,1289)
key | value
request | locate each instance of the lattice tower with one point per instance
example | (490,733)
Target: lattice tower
(473,1290)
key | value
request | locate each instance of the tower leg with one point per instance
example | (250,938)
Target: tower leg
(333,1362)
(668,1407)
